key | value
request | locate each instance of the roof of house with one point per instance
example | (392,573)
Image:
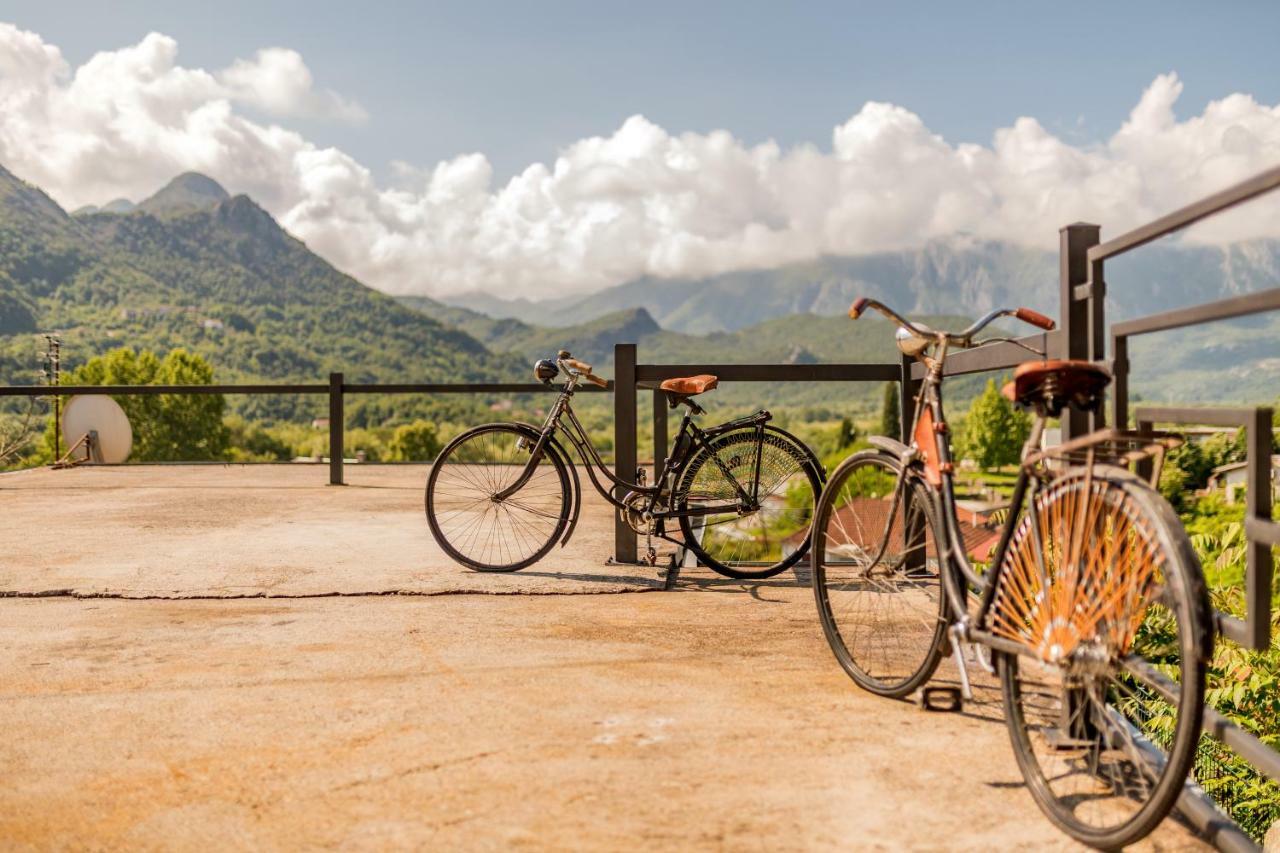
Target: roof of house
(867,517)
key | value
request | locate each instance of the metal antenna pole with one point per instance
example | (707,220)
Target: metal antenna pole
(53,358)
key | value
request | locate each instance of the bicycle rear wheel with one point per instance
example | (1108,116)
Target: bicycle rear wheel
(1104,706)
(767,540)
(876,574)
(476,527)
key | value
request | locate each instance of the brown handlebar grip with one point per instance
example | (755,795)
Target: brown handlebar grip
(580,366)
(858,306)
(597,380)
(1035,318)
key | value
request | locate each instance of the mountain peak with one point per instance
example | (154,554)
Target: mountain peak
(188,191)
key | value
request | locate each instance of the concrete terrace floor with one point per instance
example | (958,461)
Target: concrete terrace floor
(711,716)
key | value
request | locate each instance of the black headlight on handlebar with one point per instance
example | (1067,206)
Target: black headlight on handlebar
(544,370)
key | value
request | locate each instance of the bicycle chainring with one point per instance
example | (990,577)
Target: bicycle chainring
(637,505)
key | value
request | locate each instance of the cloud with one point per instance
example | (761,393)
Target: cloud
(278,82)
(638,201)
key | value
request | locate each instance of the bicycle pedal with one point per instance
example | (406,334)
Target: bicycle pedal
(941,699)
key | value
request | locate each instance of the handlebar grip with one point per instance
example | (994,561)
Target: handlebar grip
(596,380)
(859,305)
(580,366)
(1035,318)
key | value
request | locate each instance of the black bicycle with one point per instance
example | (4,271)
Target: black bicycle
(501,495)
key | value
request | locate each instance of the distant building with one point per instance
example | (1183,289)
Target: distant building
(212,324)
(1234,477)
(862,515)
(320,423)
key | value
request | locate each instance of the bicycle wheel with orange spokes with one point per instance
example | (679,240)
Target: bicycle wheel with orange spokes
(1101,589)
(876,574)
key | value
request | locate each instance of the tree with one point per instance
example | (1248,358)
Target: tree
(166,427)
(994,431)
(890,423)
(846,434)
(415,442)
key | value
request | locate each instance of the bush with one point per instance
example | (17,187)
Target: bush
(415,442)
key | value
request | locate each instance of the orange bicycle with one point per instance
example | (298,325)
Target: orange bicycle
(1092,609)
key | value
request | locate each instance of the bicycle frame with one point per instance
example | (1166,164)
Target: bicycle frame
(931,447)
(689,440)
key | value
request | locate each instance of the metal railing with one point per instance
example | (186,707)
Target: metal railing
(336,390)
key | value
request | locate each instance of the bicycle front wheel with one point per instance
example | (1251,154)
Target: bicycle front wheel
(877,574)
(470,517)
(784,482)
(1103,592)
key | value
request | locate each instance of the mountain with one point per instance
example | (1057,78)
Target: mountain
(187,192)
(958,276)
(591,341)
(197,268)
(119,205)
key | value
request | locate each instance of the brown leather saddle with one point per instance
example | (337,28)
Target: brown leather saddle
(1054,384)
(690,386)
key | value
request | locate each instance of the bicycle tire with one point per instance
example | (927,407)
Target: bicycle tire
(785,461)
(486,459)
(1124,614)
(870,600)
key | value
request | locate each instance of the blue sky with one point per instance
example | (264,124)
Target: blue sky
(518,81)
(538,149)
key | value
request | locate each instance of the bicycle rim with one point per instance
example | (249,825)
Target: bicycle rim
(761,543)
(479,530)
(1104,707)
(876,575)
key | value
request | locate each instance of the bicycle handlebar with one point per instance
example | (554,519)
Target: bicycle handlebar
(582,368)
(963,339)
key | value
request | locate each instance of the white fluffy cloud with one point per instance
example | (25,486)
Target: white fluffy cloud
(638,201)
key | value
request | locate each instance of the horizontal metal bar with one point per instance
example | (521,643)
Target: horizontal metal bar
(1260,530)
(1263,758)
(1223,309)
(773,372)
(995,356)
(1234,629)
(1211,824)
(123,390)
(1208,417)
(350,388)
(478,388)
(1189,215)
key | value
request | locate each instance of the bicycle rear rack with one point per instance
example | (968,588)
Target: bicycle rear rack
(1141,452)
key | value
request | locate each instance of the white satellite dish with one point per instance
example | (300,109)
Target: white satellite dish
(96,424)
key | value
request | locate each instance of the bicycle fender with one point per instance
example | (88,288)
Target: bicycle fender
(890,445)
(575,497)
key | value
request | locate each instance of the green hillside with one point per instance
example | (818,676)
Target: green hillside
(193,267)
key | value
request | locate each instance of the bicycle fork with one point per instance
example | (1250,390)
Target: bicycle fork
(956,635)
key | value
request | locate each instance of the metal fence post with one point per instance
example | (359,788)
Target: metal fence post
(335,429)
(659,432)
(624,440)
(1257,502)
(907,403)
(1075,315)
(1120,381)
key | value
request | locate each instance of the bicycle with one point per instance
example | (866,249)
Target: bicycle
(1092,610)
(501,495)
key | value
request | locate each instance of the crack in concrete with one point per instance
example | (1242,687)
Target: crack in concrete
(414,771)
